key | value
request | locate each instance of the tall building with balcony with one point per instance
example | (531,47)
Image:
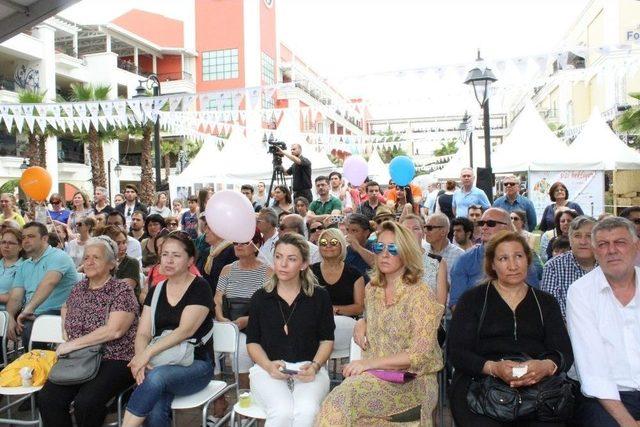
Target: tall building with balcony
(212,46)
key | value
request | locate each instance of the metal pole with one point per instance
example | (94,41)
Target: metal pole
(109,179)
(156,140)
(487,148)
(471,150)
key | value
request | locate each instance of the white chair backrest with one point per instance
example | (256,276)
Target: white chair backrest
(46,328)
(343,333)
(225,337)
(4,323)
(356,351)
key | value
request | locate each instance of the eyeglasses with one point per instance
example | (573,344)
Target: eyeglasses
(381,220)
(8,243)
(55,202)
(333,242)
(431,227)
(241,243)
(313,230)
(489,223)
(379,247)
(515,218)
(509,184)
(172,223)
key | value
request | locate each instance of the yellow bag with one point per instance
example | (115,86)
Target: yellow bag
(40,360)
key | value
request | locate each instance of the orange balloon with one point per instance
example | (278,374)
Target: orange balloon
(36,183)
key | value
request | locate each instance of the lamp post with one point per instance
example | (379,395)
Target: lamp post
(117,170)
(466,130)
(152,82)
(24,165)
(481,78)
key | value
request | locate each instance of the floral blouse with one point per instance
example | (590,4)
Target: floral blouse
(87,310)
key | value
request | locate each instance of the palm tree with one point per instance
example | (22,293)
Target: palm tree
(167,148)
(36,139)
(144,133)
(82,93)
(629,121)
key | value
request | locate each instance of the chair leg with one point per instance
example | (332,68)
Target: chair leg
(232,422)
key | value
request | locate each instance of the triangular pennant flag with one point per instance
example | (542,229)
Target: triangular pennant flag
(8,121)
(81,108)
(253,98)
(103,122)
(51,121)
(187,102)
(521,64)
(42,123)
(174,102)
(94,108)
(41,110)
(112,121)
(60,121)
(4,109)
(120,107)
(16,110)
(68,109)
(541,60)
(107,108)
(135,108)
(19,121)
(54,109)
(158,103)
(88,121)
(30,122)
(27,110)
(71,124)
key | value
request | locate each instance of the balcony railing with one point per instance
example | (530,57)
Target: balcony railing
(131,67)
(178,75)
(67,50)
(131,159)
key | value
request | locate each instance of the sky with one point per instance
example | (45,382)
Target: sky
(359,45)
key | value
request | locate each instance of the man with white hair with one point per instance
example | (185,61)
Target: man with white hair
(603,317)
(436,231)
(513,201)
(468,270)
(468,194)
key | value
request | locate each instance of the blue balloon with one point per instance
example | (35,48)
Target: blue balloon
(402,170)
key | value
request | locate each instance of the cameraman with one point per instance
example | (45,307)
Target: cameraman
(301,171)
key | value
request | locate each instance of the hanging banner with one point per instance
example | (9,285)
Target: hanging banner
(586,188)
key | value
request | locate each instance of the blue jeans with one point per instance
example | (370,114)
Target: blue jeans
(152,399)
(590,413)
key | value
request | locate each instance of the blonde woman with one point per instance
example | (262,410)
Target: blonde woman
(400,334)
(8,209)
(290,328)
(344,284)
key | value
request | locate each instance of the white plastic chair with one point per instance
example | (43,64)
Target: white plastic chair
(225,340)
(343,334)
(46,329)
(355,352)
(4,326)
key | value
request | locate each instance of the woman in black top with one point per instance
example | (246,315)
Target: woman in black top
(128,269)
(444,202)
(518,320)
(290,327)
(183,312)
(344,283)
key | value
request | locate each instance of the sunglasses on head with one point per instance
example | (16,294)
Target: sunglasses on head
(379,247)
(490,223)
(381,220)
(333,242)
(431,227)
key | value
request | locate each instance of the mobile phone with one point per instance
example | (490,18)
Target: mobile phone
(289,371)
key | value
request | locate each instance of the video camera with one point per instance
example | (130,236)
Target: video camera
(274,145)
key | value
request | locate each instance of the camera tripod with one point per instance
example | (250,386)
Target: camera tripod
(277,178)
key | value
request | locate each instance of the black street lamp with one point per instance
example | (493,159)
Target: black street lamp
(481,78)
(466,130)
(24,165)
(152,82)
(118,170)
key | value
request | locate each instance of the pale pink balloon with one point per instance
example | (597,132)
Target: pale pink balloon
(355,170)
(230,215)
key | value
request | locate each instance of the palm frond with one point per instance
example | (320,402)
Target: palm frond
(629,120)
(101,92)
(31,96)
(81,92)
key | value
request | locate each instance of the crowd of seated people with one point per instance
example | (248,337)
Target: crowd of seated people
(518,302)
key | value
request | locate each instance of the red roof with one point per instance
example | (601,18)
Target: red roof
(163,31)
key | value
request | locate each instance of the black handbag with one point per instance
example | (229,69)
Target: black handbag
(550,400)
(234,308)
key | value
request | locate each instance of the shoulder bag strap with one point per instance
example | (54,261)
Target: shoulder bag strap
(154,305)
(483,312)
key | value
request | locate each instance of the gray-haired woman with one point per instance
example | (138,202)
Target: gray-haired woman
(99,310)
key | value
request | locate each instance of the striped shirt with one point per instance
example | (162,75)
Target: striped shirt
(240,283)
(558,274)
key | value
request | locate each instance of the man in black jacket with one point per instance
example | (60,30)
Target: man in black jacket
(301,171)
(131,203)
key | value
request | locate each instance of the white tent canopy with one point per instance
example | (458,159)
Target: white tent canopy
(530,146)
(598,143)
(378,170)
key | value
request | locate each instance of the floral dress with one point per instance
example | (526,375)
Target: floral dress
(409,324)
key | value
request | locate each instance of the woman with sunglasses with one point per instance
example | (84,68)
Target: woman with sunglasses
(173,223)
(80,210)
(345,284)
(401,326)
(237,284)
(519,221)
(290,327)
(58,212)
(75,248)
(152,226)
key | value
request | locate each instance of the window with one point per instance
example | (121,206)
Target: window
(220,64)
(226,103)
(8,144)
(268,73)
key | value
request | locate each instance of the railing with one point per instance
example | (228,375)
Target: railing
(67,50)
(131,67)
(178,75)
(131,159)
(7,84)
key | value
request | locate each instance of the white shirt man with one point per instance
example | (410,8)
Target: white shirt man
(603,317)
(340,191)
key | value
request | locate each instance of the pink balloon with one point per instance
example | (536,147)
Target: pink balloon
(230,215)
(355,169)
